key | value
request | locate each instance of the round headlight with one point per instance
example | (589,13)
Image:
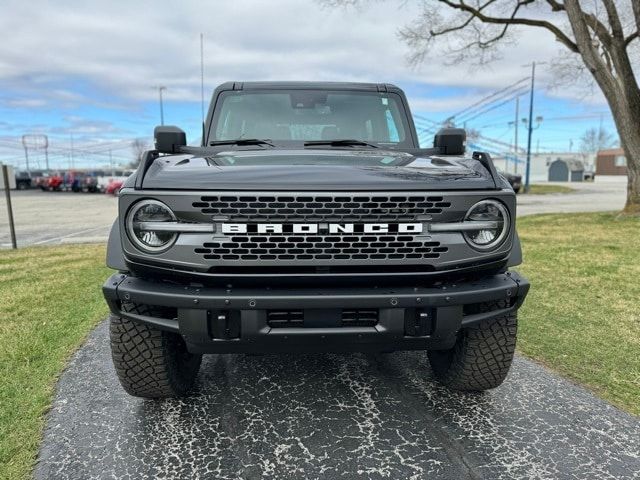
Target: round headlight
(143,226)
(494,228)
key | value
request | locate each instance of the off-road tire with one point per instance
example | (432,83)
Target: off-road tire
(481,356)
(151,363)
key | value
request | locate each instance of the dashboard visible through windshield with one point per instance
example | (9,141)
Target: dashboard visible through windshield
(296,116)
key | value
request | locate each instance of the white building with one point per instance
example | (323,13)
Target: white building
(540,163)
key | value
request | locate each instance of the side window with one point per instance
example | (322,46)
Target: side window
(620,161)
(394,136)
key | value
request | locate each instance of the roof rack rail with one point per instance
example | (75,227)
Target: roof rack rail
(486,161)
(146,161)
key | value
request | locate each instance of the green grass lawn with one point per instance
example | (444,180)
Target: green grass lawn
(544,189)
(582,315)
(50,300)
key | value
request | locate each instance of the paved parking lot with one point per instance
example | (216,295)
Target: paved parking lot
(48,218)
(606,194)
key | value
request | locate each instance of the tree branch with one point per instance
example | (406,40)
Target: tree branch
(451,29)
(556,6)
(477,13)
(614,19)
(588,51)
(631,38)
(636,13)
(596,25)
(480,43)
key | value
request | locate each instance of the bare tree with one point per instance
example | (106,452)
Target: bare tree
(601,37)
(139,146)
(594,139)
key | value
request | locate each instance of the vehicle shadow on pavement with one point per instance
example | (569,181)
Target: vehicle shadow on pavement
(331,416)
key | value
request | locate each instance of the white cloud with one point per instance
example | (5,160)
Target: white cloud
(126,47)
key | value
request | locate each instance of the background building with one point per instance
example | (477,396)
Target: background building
(611,162)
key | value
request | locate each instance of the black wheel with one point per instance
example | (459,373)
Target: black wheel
(481,356)
(151,363)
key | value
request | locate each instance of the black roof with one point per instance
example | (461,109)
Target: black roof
(273,85)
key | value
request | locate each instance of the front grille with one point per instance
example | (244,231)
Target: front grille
(315,208)
(323,247)
(320,247)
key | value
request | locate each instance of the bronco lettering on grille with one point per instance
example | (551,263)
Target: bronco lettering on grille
(313,228)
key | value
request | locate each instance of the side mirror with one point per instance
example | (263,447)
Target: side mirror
(451,141)
(169,139)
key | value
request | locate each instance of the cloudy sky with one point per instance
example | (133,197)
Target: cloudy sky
(84,73)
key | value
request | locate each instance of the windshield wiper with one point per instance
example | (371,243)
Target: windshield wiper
(242,141)
(340,143)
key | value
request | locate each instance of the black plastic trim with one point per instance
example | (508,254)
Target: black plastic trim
(197,305)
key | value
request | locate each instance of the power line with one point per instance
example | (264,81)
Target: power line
(494,106)
(483,101)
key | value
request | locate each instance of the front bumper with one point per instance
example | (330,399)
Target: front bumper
(219,320)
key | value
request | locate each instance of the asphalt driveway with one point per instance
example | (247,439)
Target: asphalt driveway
(332,416)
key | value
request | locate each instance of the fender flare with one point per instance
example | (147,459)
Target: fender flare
(515,257)
(115,255)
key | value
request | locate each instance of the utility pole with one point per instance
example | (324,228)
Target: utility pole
(515,141)
(26,151)
(528,168)
(71,159)
(113,173)
(160,89)
(202,78)
(46,151)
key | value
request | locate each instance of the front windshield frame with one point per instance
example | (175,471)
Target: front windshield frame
(401,119)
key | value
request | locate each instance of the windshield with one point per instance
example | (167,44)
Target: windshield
(311,115)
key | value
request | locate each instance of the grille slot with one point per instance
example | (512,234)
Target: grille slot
(348,318)
(359,318)
(311,208)
(285,318)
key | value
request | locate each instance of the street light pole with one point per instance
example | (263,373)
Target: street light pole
(515,143)
(160,89)
(528,170)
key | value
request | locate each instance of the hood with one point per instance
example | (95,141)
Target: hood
(322,169)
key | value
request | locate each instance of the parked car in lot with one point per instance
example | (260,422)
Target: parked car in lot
(514,180)
(54,182)
(90,181)
(112,177)
(41,181)
(114,186)
(28,179)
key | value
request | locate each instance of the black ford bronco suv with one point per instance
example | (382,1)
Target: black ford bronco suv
(310,219)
